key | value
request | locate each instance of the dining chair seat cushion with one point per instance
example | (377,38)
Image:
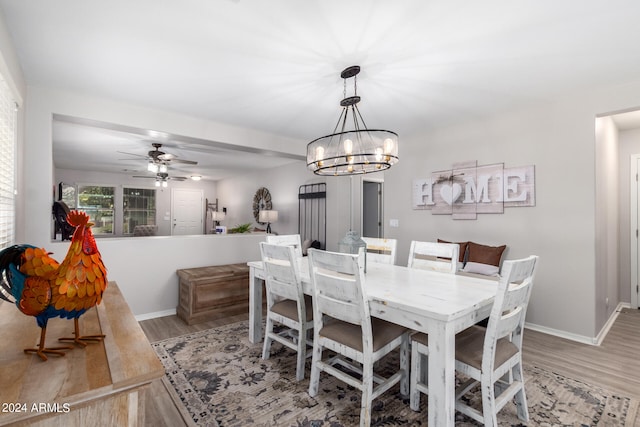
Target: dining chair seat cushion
(288,308)
(470,345)
(423,338)
(351,335)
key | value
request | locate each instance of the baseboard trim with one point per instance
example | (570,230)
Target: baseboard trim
(607,326)
(558,333)
(147,316)
(597,340)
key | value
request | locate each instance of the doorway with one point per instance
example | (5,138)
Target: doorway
(187,211)
(372,209)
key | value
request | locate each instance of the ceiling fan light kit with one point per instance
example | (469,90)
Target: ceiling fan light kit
(356,151)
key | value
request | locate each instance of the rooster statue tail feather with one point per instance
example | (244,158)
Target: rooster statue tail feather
(42,288)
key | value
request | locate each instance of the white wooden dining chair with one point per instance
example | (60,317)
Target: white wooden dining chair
(286,303)
(381,250)
(288,240)
(343,325)
(491,356)
(434,256)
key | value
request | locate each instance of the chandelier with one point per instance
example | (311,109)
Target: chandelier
(352,151)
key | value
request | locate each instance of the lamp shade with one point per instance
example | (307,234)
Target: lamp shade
(268,216)
(353,152)
(218,216)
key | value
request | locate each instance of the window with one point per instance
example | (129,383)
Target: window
(139,207)
(98,202)
(8,118)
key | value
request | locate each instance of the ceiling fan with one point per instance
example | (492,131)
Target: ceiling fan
(158,157)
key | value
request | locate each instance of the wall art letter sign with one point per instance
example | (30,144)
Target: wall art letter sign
(467,190)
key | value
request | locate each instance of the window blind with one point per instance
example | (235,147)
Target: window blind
(8,118)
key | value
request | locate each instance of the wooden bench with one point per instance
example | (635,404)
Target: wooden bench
(207,293)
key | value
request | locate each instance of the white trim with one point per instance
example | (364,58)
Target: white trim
(607,326)
(633,224)
(597,340)
(558,333)
(147,316)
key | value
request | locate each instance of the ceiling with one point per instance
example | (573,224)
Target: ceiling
(274,65)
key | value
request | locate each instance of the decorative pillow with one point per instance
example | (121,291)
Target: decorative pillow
(463,249)
(478,268)
(485,254)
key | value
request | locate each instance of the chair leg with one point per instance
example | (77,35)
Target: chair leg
(404,365)
(488,401)
(302,354)
(367,393)
(314,380)
(416,366)
(268,329)
(521,397)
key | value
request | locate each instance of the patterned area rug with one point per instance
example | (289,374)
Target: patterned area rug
(222,381)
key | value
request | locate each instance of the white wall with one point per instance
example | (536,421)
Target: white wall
(236,194)
(557,137)
(145,267)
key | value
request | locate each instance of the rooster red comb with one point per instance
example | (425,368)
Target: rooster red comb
(76,218)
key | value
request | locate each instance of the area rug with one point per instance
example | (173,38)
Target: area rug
(221,380)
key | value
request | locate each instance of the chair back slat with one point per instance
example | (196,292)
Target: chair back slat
(517,295)
(282,272)
(381,250)
(287,240)
(337,282)
(434,256)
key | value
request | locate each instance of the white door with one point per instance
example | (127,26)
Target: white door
(187,212)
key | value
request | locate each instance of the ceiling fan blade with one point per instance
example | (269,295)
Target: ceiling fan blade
(187,162)
(141,176)
(178,178)
(132,154)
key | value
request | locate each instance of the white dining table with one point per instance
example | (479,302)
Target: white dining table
(440,304)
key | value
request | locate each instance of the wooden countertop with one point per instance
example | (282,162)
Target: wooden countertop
(124,360)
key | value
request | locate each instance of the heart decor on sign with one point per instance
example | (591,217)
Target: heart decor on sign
(450,193)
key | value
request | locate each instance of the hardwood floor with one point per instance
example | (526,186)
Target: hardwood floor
(614,365)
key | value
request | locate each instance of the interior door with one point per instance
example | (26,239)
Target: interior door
(372,209)
(187,212)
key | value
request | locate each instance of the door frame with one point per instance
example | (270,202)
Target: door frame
(634,227)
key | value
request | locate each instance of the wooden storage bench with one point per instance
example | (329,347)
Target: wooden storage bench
(208,293)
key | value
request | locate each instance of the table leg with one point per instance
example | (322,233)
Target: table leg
(255,307)
(442,376)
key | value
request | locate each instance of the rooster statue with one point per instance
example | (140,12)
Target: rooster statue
(42,288)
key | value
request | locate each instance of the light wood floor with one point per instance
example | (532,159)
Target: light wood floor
(614,365)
